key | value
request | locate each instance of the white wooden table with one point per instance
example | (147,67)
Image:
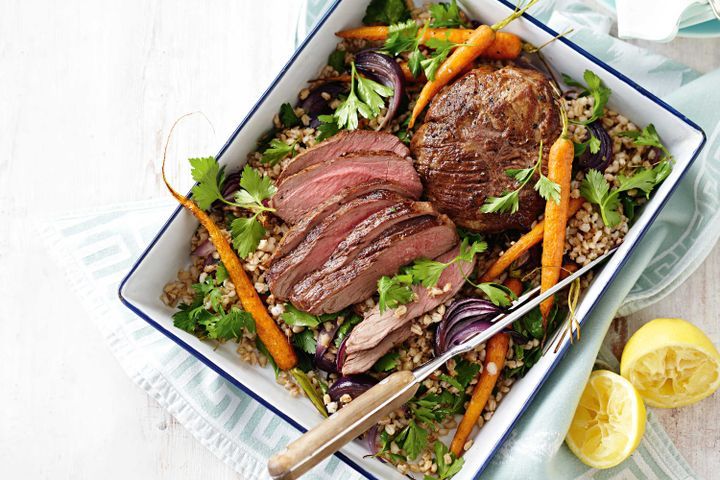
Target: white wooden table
(88,93)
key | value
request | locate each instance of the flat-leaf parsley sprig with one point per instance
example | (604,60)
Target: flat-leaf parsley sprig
(398,290)
(365,98)
(254,191)
(595,89)
(596,189)
(510,201)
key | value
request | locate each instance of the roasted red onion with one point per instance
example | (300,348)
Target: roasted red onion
(323,360)
(353,385)
(315,104)
(204,249)
(462,320)
(603,157)
(372,438)
(340,357)
(232,185)
(383,69)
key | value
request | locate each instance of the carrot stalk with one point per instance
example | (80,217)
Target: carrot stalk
(495,352)
(480,40)
(556,215)
(268,331)
(525,243)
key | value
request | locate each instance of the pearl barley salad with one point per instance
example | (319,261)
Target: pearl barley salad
(434,170)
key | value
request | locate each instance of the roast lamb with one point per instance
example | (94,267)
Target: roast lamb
(379,332)
(306,189)
(488,121)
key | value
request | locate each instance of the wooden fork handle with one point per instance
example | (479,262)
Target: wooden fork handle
(323,440)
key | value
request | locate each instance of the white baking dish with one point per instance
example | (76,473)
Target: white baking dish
(168,252)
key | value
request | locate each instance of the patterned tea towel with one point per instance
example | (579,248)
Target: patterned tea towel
(97,248)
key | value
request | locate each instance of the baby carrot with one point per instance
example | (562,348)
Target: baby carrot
(524,243)
(462,56)
(556,214)
(495,352)
(268,331)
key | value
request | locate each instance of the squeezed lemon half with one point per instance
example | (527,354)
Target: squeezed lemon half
(609,421)
(671,362)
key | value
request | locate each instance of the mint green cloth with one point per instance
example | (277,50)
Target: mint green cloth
(97,248)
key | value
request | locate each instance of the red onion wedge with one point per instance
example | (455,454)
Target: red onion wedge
(323,360)
(316,104)
(353,385)
(463,320)
(603,157)
(383,69)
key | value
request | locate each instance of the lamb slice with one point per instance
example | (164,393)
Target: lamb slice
(364,360)
(321,241)
(370,336)
(364,234)
(343,143)
(425,236)
(308,188)
(301,229)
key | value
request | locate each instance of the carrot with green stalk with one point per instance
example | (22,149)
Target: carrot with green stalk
(505,46)
(556,213)
(480,40)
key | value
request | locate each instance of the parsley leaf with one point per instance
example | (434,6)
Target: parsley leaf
(258,187)
(246,233)
(413,439)
(215,324)
(594,144)
(210,177)
(305,341)
(231,325)
(297,318)
(277,151)
(337,60)
(346,328)
(548,189)
(368,104)
(372,94)
(387,362)
(394,291)
(427,272)
(445,15)
(596,89)
(402,37)
(596,189)
(327,128)
(465,372)
(510,201)
(498,294)
(647,137)
(442,50)
(287,116)
(446,470)
(397,290)
(386,12)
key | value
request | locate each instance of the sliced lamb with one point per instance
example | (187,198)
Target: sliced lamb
(343,143)
(321,241)
(364,234)
(310,187)
(364,360)
(300,230)
(424,236)
(369,339)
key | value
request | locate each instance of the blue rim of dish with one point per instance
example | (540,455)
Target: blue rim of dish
(564,350)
